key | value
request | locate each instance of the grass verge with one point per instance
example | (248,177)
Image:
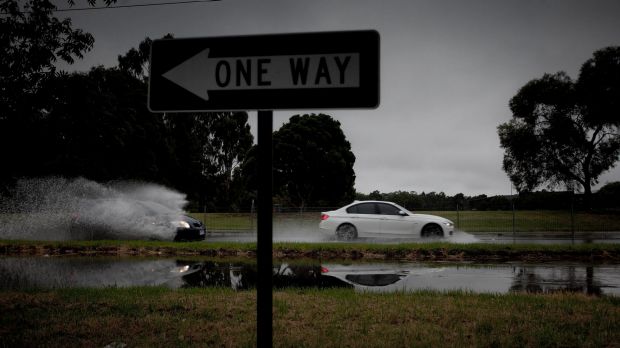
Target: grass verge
(438,251)
(304,318)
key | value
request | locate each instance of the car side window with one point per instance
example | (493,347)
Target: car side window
(366,208)
(362,208)
(388,209)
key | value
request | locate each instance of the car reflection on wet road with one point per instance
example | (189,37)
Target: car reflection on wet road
(240,276)
(62,272)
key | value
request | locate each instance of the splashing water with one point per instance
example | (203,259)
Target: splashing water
(460,237)
(63,209)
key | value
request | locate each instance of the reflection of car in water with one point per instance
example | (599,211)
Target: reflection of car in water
(382,219)
(360,276)
(244,276)
(375,277)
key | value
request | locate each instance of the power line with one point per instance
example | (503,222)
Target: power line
(134,5)
(91,8)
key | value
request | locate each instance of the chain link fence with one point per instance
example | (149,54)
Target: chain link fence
(500,221)
(222,220)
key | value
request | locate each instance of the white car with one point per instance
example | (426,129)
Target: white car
(382,219)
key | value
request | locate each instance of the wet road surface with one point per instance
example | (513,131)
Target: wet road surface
(310,236)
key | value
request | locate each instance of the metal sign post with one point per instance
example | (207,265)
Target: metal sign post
(264,234)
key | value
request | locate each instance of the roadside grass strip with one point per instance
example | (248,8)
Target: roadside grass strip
(304,318)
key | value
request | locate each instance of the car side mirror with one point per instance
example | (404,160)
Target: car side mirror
(402,213)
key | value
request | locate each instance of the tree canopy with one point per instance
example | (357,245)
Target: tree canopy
(565,132)
(313,162)
(32,40)
(95,124)
(99,127)
(608,196)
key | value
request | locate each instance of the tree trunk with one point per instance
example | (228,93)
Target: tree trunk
(587,194)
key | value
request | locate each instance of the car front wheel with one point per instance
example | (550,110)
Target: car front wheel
(346,232)
(432,231)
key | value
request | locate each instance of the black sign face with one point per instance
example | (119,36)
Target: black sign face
(327,70)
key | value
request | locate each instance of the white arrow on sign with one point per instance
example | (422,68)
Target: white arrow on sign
(201,74)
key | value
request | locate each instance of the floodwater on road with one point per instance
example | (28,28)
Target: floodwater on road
(459,237)
(61,272)
(548,237)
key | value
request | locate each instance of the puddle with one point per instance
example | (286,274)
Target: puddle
(482,278)
(62,272)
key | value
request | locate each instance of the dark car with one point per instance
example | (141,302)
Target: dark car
(188,229)
(176,227)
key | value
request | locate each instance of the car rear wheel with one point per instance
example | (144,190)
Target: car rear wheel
(346,232)
(432,231)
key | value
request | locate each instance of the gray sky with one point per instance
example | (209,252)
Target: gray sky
(448,70)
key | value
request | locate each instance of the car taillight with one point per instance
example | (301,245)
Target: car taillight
(324,270)
(324,217)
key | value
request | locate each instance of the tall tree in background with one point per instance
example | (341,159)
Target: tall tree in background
(209,146)
(91,124)
(562,132)
(99,127)
(313,162)
(32,40)
(96,124)
(136,60)
(225,141)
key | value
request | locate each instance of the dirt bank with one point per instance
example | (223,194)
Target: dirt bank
(408,252)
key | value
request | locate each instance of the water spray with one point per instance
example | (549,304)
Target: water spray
(80,209)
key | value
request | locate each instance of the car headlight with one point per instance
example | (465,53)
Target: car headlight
(180,224)
(182,269)
(448,223)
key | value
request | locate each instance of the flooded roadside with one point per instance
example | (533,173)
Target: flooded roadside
(547,237)
(459,237)
(65,272)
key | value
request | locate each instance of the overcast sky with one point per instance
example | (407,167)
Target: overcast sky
(448,70)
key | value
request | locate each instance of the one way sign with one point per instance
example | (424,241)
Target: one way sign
(265,72)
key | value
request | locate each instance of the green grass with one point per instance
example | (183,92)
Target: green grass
(304,318)
(405,251)
(468,221)
(531,221)
(226,221)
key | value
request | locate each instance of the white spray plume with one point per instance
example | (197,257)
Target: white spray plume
(60,209)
